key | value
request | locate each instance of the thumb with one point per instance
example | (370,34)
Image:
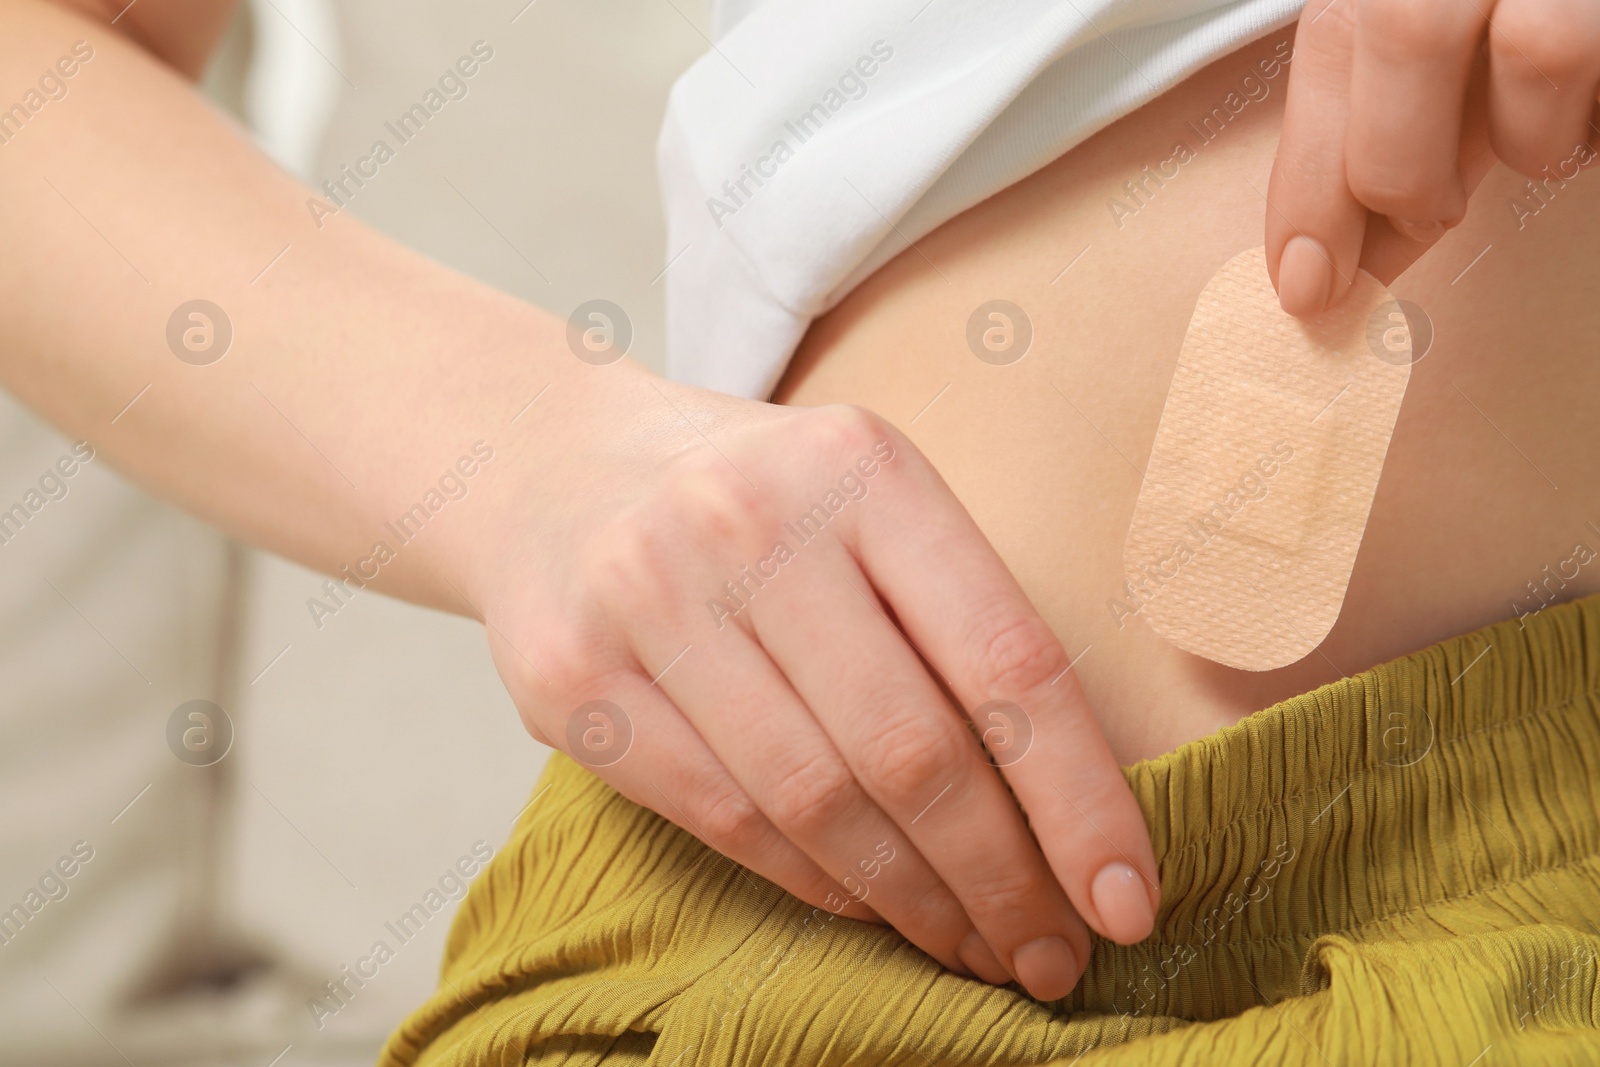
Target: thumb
(1385,251)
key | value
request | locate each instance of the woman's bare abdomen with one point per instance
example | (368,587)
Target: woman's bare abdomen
(1489,504)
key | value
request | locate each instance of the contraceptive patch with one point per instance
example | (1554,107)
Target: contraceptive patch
(1263,470)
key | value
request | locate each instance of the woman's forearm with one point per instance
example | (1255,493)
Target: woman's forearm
(617,527)
(358,374)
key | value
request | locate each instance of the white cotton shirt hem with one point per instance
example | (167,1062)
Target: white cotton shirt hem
(817,140)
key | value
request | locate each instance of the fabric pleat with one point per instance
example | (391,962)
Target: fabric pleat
(1399,867)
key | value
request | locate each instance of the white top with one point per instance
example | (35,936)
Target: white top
(818,138)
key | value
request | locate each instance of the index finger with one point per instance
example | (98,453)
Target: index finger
(960,606)
(1315,225)
(1317,232)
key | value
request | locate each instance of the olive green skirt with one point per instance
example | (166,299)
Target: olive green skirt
(1400,867)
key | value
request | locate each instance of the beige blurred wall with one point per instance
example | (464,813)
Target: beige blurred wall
(377,750)
(552,150)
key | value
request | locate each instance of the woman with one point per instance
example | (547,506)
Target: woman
(616,518)
(1440,798)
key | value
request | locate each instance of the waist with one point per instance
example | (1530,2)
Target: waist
(1402,860)
(1102,255)
(1450,780)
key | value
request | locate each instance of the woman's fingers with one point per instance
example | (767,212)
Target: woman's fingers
(744,708)
(965,614)
(1408,85)
(1544,63)
(1315,224)
(664,765)
(863,790)
(1395,112)
(1385,251)
(916,756)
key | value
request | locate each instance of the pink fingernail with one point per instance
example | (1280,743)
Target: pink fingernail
(1123,903)
(1047,967)
(1423,231)
(1305,277)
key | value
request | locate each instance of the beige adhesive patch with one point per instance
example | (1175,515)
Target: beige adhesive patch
(1263,469)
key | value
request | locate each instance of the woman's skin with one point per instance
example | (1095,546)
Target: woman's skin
(1395,110)
(819,725)
(1490,477)
(807,736)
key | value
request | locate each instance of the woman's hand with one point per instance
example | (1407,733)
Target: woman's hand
(763,623)
(797,728)
(1396,110)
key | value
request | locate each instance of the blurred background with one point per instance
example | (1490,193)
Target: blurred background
(343,772)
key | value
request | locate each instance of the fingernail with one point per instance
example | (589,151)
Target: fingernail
(1305,274)
(1123,903)
(980,959)
(1047,968)
(1425,231)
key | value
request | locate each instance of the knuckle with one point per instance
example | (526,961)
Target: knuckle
(1016,654)
(711,503)
(814,796)
(1403,192)
(732,824)
(910,758)
(577,665)
(626,568)
(932,917)
(1528,153)
(1536,42)
(1296,168)
(844,429)
(1003,891)
(1406,29)
(1101,803)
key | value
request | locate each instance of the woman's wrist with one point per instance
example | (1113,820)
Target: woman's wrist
(547,441)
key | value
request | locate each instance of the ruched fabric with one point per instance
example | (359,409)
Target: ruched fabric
(1400,867)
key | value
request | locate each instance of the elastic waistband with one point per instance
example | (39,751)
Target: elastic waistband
(1463,771)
